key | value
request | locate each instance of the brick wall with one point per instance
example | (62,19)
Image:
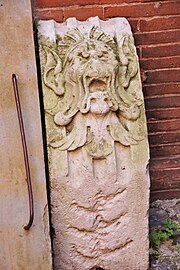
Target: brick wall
(156,28)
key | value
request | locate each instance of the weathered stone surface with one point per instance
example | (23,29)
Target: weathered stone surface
(21,249)
(97,144)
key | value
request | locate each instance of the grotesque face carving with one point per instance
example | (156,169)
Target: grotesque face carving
(92,66)
(93,62)
(91,74)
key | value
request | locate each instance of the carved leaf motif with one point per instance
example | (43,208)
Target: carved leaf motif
(52,71)
(128,58)
(76,138)
(96,83)
(99,149)
(119,134)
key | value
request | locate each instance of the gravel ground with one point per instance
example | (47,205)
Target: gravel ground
(166,255)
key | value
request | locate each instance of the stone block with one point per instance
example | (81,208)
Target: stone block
(97,144)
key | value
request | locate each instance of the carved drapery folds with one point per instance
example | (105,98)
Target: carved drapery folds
(97,144)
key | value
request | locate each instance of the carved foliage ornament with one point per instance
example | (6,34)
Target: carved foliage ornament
(95,85)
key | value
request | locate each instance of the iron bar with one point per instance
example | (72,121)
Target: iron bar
(25,153)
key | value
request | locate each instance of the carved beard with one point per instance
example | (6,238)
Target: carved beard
(100,143)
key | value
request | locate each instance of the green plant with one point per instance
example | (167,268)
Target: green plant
(153,205)
(164,233)
(171,225)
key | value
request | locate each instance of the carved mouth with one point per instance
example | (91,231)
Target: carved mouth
(95,84)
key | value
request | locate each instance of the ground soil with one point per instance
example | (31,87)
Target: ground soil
(165,256)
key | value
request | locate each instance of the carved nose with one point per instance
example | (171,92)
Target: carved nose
(94,69)
(93,73)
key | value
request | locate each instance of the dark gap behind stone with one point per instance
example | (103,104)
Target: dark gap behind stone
(52,231)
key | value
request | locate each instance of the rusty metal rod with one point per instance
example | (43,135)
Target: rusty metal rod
(25,152)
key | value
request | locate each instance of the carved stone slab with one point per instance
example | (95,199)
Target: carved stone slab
(97,144)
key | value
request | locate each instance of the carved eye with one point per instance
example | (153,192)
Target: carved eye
(85,54)
(93,100)
(105,54)
(108,128)
(106,99)
(100,54)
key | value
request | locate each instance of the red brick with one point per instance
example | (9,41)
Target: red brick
(159,126)
(158,63)
(162,76)
(165,163)
(162,102)
(161,89)
(161,51)
(163,114)
(61,3)
(56,15)
(66,3)
(165,183)
(167,194)
(134,25)
(169,36)
(143,10)
(124,1)
(158,24)
(165,150)
(164,138)
(83,14)
(138,50)
(169,178)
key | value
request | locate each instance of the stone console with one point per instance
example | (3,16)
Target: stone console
(97,144)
